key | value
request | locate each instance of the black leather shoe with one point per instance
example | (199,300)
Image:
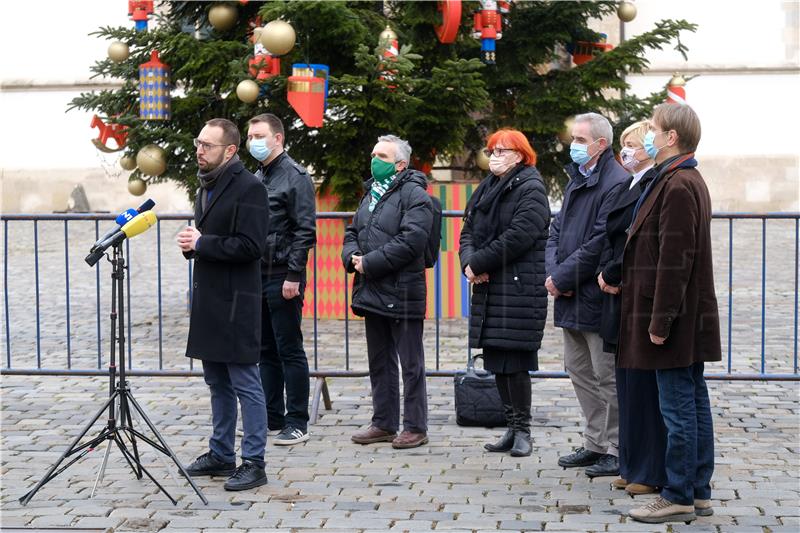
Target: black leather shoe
(522,444)
(208,465)
(505,443)
(608,465)
(247,476)
(581,457)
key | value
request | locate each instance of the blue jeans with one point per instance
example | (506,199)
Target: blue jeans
(227,383)
(283,361)
(686,410)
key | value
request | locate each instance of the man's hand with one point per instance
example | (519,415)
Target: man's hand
(291,289)
(470,275)
(356,260)
(187,238)
(472,278)
(605,287)
(482,278)
(657,340)
(551,287)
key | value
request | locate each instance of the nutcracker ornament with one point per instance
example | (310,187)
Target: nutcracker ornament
(488,27)
(676,90)
(154,97)
(140,11)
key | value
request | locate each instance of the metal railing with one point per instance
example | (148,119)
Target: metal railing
(68,220)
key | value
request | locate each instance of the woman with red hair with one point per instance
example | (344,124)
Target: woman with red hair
(506,225)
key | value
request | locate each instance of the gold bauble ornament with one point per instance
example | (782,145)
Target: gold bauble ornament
(137,186)
(278,37)
(118,51)
(626,11)
(677,80)
(565,135)
(247,91)
(223,16)
(482,160)
(387,35)
(127,162)
(152,160)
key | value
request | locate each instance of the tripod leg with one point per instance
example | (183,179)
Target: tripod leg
(128,455)
(126,419)
(49,475)
(167,448)
(158,455)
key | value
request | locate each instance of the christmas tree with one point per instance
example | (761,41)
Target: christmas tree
(444,98)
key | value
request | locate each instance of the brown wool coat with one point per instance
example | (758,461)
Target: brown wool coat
(668,278)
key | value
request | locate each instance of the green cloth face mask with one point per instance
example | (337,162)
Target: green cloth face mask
(382,170)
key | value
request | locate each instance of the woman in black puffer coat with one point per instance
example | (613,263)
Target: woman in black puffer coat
(502,254)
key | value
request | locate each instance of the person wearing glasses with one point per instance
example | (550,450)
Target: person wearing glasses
(642,435)
(670,317)
(231,220)
(501,249)
(574,248)
(291,235)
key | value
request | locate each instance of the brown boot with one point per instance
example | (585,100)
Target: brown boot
(407,439)
(637,489)
(371,435)
(619,483)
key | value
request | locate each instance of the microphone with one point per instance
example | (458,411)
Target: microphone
(139,224)
(122,219)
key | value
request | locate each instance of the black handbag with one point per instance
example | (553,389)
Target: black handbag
(477,400)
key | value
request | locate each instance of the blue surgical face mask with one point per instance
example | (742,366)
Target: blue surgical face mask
(580,152)
(259,149)
(649,144)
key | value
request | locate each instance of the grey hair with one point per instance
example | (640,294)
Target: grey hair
(403,149)
(599,126)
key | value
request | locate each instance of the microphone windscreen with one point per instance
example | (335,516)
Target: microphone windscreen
(126,216)
(139,224)
(147,206)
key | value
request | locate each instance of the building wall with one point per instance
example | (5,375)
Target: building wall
(745,53)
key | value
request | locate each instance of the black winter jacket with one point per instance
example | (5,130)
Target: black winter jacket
(505,232)
(392,240)
(576,242)
(292,211)
(225,325)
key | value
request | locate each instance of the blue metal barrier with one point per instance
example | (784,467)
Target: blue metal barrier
(9,368)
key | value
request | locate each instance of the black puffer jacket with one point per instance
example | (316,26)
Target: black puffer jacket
(292,210)
(505,232)
(392,240)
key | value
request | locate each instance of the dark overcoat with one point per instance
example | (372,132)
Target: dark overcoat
(668,277)
(225,325)
(504,234)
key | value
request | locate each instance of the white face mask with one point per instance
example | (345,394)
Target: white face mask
(500,164)
(628,156)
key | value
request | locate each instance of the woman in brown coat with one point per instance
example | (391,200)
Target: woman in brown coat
(669,318)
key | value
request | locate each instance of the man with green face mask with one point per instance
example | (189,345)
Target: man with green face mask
(385,247)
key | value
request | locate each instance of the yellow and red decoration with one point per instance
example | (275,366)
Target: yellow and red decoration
(584,51)
(154,97)
(307,91)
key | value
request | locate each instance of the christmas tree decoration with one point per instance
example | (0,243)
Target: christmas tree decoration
(127,162)
(154,97)
(305,92)
(247,91)
(118,51)
(139,11)
(152,160)
(278,37)
(387,42)
(313,70)
(676,90)
(565,135)
(222,17)
(626,11)
(447,31)
(482,160)
(488,27)
(108,131)
(583,51)
(262,65)
(137,186)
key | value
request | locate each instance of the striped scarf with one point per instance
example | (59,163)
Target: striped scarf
(378,189)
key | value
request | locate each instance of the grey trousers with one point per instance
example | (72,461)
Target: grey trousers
(387,340)
(592,372)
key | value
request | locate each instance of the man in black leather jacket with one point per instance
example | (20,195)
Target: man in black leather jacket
(292,233)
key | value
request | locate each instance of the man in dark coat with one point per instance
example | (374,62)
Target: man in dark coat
(670,319)
(231,223)
(292,234)
(573,252)
(385,247)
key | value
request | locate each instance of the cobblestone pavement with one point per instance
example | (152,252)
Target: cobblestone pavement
(331,484)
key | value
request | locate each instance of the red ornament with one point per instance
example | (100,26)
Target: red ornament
(488,27)
(118,132)
(584,50)
(676,92)
(139,11)
(390,53)
(451,18)
(264,66)
(306,95)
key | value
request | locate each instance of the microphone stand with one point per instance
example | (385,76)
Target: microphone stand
(119,426)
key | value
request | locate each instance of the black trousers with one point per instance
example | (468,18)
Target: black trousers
(283,359)
(390,339)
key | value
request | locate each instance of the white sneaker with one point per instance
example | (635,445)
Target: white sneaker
(290,436)
(661,510)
